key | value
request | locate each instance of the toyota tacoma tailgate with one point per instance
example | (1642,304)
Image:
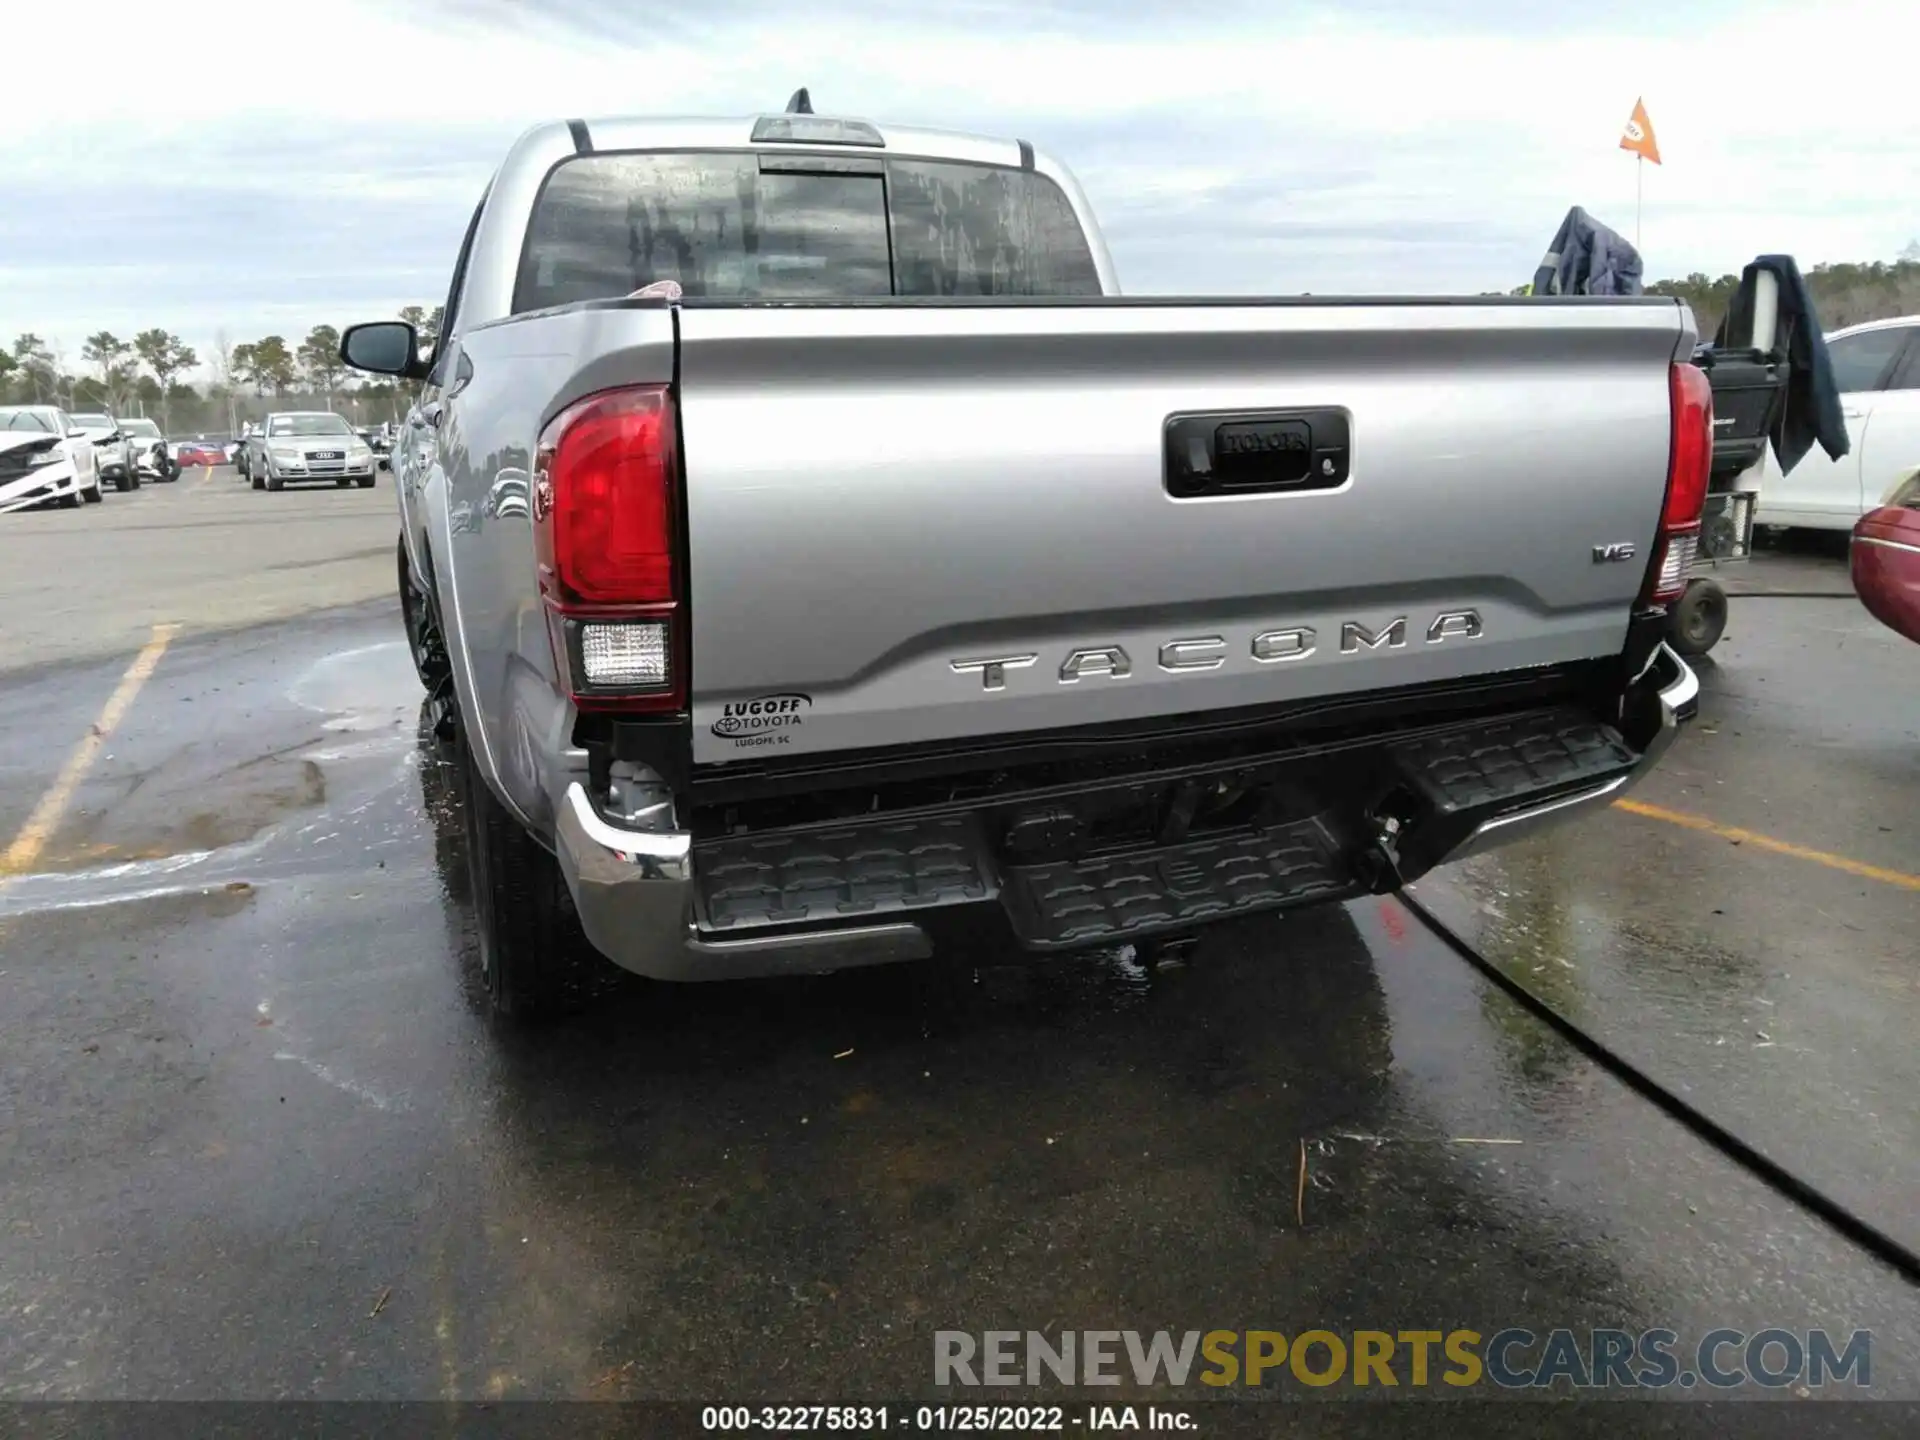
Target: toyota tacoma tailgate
(912,522)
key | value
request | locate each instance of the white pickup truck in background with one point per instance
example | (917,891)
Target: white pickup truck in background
(892,578)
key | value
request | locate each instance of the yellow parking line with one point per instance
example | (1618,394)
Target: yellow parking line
(33,836)
(206,480)
(1766,842)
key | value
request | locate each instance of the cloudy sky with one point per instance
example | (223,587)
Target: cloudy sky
(216,165)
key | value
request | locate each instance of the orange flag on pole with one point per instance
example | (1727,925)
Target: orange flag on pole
(1638,134)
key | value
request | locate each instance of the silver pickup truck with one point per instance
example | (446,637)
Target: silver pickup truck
(814,558)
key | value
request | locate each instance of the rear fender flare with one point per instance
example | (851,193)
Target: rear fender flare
(444,586)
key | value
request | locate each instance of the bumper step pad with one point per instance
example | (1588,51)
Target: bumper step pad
(1529,758)
(1126,897)
(868,872)
(856,873)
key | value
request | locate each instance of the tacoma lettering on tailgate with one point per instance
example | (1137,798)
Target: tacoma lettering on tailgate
(1210,652)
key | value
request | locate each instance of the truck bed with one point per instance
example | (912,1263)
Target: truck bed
(917,522)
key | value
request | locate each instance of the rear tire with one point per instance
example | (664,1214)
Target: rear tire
(70,500)
(365,482)
(122,483)
(1699,618)
(535,961)
(92,494)
(258,483)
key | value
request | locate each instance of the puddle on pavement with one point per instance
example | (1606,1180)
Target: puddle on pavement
(244,802)
(1583,946)
(159,907)
(371,688)
(384,830)
(336,796)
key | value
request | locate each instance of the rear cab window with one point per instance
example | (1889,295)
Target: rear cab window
(742,225)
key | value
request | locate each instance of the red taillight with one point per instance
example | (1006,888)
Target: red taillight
(604,524)
(603,484)
(1692,458)
(1689,462)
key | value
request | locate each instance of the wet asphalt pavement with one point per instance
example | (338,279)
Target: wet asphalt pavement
(204,550)
(257,1140)
(1778,992)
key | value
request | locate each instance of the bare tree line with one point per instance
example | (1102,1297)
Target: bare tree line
(147,376)
(1843,295)
(144,375)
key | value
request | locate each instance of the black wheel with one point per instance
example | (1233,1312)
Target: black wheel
(122,483)
(365,482)
(1699,617)
(133,474)
(535,961)
(92,497)
(70,500)
(258,483)
(343,482)
(274,482)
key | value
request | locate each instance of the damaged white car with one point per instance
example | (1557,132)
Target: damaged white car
(44,456)
(152,456)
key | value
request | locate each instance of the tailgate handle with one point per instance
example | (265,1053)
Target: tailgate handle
(1257,452)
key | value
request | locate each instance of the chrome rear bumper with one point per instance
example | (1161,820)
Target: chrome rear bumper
(635,889)
(634,892)
(1678,698)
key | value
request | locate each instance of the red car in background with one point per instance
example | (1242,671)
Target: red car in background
(1886,560)
(200,452)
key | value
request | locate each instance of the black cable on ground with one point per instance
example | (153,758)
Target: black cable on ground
(1791,595)
(1869,1237)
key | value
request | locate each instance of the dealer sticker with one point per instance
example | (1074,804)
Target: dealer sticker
(763,720)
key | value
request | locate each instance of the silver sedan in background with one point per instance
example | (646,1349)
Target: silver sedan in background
(298,446)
